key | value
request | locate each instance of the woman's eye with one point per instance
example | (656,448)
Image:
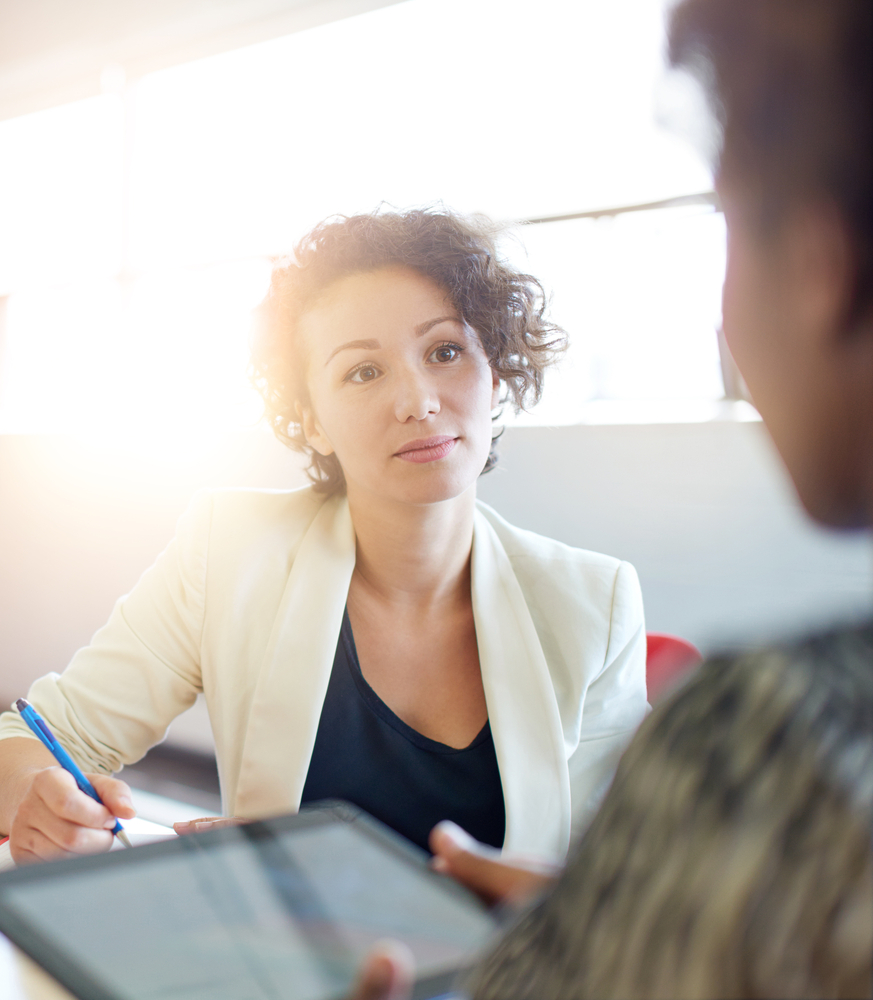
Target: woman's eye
(446,352)
(365,374)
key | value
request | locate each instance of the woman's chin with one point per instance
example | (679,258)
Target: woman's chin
(418,485)
(424,495)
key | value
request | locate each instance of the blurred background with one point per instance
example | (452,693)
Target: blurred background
(155,155)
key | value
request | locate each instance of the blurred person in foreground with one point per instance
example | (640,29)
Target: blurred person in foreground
(732,855)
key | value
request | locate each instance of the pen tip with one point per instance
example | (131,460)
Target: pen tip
(123,837)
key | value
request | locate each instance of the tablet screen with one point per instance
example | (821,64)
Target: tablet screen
(263,911)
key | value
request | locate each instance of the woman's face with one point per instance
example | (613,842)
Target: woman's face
(400,389)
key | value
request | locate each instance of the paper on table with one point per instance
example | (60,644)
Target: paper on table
(140,831)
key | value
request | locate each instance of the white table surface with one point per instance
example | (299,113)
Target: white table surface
(20,979)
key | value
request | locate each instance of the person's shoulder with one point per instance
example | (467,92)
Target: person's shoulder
(574,589)
(844,651)
(522,545)
(239,517)
(848,648)
(302,503)
(825,676)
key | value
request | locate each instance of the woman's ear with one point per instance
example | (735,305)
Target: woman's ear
(313,431)
(495,392)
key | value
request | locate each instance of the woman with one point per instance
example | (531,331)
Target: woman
(380,635)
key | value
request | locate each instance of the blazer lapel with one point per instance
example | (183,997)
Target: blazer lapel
(293,680)
(522,707)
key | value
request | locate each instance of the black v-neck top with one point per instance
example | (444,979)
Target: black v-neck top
(367,755)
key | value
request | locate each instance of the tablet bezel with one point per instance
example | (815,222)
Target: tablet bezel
(74,975)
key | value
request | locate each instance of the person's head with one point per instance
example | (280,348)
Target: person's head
(732,854)
(393,329)
(791,85)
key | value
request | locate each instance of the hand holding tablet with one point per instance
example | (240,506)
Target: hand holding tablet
(387,973)
(483,870)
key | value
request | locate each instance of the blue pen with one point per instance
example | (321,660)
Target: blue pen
(40,729)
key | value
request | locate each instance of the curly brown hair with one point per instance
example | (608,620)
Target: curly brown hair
(504,306)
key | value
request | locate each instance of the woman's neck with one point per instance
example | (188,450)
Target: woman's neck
(414,555)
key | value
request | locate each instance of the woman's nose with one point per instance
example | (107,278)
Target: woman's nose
(416,398)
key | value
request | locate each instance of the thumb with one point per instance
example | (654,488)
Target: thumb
(114,794)
(387,973)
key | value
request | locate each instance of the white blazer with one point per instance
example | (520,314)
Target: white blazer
(246,605)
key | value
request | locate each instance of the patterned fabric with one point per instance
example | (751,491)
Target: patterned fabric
(732,854)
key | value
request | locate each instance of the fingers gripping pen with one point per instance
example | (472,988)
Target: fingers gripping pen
(41,730)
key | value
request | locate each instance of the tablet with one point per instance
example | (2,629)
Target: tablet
(283,909)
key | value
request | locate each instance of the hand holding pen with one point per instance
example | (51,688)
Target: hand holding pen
(52,817)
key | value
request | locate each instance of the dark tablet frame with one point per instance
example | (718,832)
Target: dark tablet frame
(75,976)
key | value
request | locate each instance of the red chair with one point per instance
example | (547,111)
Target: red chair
(667,658)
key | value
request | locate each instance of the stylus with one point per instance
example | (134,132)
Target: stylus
(40,729)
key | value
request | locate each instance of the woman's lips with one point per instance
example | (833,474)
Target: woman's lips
(427,449)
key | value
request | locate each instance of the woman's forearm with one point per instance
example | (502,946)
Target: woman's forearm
(20,758)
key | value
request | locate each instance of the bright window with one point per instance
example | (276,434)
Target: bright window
(60,194)
(640,297)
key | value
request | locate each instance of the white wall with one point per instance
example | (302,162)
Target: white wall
(78,525)
(705,512)
(702,510)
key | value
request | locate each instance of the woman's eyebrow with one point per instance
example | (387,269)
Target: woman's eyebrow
(423,328)
(363,345)
(374,345)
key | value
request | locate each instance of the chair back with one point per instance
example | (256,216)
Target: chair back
(667,658)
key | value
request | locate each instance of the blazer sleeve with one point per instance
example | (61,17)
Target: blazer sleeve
(615,702)
(118,695)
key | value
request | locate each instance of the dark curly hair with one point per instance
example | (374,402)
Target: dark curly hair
(505,307)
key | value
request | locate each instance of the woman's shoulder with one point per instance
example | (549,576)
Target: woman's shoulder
(302,503)
(522,544)
(566,583)
(231,518)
